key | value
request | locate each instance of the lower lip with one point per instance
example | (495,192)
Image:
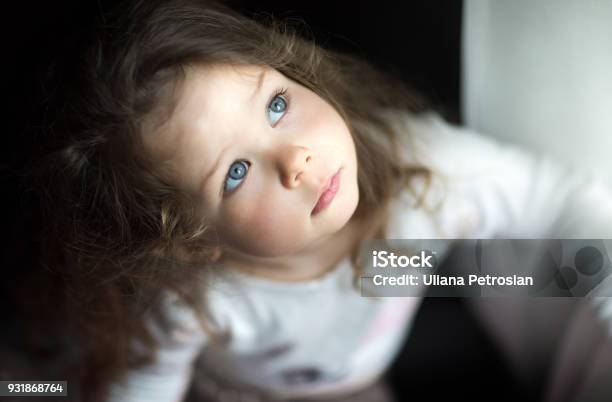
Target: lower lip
(328,196)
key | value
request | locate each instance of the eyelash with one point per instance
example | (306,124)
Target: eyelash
(281,92)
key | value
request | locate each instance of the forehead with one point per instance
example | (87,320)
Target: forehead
(210,96)
(206,91)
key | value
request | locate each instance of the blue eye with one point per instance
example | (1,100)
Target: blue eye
(277,107)
(237,172)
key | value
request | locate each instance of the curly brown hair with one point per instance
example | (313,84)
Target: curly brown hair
(115,226)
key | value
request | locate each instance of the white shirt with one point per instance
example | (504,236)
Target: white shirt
(321,337)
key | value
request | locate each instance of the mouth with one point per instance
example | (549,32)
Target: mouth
(328,193)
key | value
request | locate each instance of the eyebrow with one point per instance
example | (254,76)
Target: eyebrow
(215,167)
(260,81)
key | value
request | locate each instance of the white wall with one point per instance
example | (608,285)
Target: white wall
(539,72)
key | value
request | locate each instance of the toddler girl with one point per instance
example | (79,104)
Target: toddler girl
(209,184)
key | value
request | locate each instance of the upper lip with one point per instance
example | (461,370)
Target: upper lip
(326,186)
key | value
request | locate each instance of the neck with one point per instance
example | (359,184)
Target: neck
(308,264)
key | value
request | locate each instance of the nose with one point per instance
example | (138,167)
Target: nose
(294,161)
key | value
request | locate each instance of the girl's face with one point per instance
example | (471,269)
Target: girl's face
(257,150)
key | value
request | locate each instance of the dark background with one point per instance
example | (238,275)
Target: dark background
(448,356)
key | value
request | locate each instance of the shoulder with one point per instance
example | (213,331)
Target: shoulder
(472,178)
(447,149)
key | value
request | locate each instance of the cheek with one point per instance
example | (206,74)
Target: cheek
(333,137)
(263,228)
